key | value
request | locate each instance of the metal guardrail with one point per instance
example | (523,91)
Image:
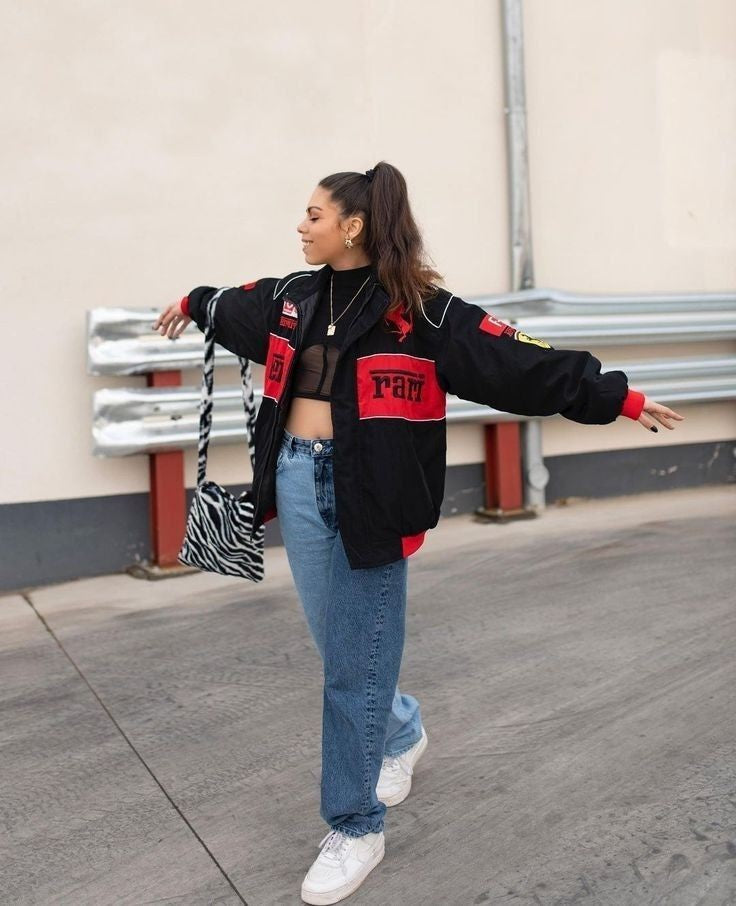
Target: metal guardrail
(121,340)
(158,419)
(149,420)
(541,300)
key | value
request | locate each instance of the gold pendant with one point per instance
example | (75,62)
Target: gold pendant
(330,329)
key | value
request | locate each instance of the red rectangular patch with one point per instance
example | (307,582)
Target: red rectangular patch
(278,360)
(394,385)
(497,327)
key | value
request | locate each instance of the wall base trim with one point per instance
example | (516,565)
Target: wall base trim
(53,541)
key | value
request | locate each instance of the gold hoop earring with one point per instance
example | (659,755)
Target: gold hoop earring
(348,242)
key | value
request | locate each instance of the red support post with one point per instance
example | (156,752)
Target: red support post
(504,486)
(167,495)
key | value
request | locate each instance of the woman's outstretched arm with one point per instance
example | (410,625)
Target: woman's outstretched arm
(242,316)
(485,360)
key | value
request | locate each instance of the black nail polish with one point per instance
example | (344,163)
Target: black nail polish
(653,428)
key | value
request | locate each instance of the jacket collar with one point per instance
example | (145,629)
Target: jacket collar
(319,279)
(305,294)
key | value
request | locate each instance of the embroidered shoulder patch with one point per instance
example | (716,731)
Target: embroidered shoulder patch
(494,325)
(498,328)
(289,309)
(525,338)
(289,315)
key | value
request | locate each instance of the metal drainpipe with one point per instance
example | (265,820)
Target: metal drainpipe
(535,473)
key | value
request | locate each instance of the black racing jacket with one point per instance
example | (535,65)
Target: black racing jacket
(389,392)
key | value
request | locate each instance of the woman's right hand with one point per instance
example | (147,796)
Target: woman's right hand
(663,414)
(172,321)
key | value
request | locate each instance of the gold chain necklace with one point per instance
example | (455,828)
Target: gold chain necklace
(331,325)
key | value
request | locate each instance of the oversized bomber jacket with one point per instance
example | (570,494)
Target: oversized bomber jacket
(389,393)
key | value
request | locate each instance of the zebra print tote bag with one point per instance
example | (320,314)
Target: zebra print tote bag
(217,537)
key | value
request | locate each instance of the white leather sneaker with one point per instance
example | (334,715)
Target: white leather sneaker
(342,866)
(394,781)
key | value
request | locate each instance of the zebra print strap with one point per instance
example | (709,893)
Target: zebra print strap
(205,405)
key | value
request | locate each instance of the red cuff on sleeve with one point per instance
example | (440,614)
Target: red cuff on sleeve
(633,404)
(184,305)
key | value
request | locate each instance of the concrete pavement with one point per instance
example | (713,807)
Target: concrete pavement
(160,741)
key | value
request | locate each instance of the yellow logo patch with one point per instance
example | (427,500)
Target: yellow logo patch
(525,338)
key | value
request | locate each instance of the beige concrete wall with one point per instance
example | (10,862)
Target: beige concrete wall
(151,147)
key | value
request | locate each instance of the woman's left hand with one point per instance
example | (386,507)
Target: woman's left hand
(657,412)
(172,321)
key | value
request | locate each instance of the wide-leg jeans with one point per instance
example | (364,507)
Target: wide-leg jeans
(357,620)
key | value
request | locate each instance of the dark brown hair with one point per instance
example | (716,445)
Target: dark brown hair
(391,237)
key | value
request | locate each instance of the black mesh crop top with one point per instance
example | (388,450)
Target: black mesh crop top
(316,365)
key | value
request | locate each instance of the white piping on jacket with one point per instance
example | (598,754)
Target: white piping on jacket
(276,289)
(443,313)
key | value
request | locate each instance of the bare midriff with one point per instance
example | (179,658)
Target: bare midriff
(309,418)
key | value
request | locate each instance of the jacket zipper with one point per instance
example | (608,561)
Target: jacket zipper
(278,411)
(358,313)
(291,366)
(332,418)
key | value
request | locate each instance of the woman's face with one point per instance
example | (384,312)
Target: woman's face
(323,234)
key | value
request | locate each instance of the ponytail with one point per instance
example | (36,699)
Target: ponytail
(392,239)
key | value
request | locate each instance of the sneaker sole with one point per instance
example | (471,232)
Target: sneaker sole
(334,896)
(399,797)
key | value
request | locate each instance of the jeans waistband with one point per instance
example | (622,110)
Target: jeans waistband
(319,446)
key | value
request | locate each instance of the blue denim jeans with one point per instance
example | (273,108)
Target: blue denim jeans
(357,618)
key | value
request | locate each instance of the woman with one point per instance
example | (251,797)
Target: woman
(359,356)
